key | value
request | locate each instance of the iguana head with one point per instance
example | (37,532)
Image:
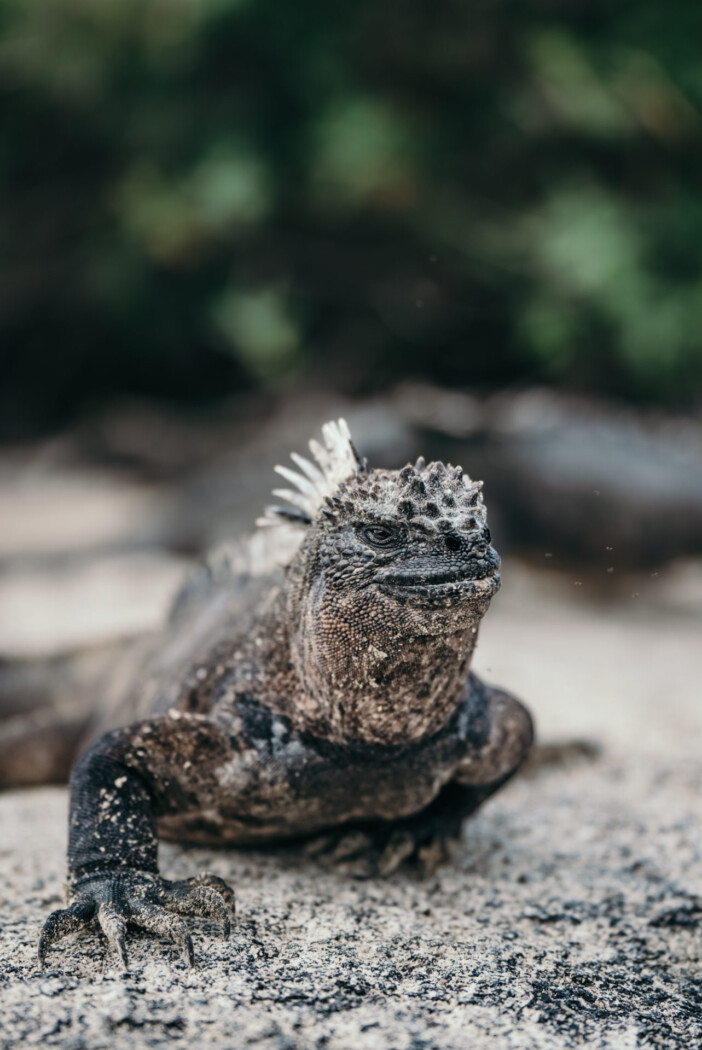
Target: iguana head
(394,567)
(418,536)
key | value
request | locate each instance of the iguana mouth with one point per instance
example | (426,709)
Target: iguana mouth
(460,583)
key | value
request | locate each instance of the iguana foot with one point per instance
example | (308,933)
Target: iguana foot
(138,898)
(380,851)
(425,839)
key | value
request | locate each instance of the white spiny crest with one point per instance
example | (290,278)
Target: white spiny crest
(337,460)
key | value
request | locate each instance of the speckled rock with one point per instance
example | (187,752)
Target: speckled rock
(571,914)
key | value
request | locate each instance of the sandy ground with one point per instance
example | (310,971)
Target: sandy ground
(570,915)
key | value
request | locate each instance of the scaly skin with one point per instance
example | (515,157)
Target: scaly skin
(334,692)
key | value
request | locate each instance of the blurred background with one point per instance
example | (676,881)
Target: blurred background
(203,197)
(475,229)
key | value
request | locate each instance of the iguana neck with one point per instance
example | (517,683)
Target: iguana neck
(386,695)
(368,677)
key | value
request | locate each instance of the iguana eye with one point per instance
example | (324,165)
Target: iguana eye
(379,535)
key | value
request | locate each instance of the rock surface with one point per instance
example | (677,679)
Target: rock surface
(570,915)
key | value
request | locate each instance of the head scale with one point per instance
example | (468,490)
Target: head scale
(341,487)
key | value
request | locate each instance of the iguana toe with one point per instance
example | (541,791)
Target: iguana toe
(61,923)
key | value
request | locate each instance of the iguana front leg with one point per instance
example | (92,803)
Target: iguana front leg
(485,768)
(430,835)
(119,787)
(496,746)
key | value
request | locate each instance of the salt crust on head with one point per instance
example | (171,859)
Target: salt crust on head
(318,488)
(336,461)
(338,469)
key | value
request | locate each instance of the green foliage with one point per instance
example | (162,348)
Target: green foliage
(199,194)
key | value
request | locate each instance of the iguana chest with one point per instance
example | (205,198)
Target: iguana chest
(276,783)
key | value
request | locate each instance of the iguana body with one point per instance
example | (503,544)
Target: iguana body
(318,677)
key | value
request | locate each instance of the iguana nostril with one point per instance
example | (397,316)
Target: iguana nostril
(453,542)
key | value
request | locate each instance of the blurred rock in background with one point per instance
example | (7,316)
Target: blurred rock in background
(601,504)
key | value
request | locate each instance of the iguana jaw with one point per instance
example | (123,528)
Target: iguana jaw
(444,587)
(446,579)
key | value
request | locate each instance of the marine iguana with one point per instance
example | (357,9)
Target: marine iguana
(316,676)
